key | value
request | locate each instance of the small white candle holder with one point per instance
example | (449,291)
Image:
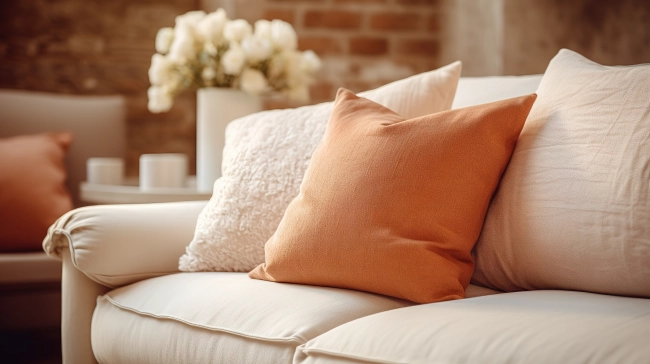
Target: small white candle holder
(167,170)
(105,171)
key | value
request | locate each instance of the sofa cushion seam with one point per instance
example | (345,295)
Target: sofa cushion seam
(206,327)
(347,356)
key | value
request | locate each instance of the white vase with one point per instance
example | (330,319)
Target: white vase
(216,107)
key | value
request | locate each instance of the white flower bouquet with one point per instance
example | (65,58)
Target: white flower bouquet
(210,50)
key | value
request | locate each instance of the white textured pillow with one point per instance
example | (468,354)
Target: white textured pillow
(573,208)
(265,157)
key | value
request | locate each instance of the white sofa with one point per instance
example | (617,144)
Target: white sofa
(124,301)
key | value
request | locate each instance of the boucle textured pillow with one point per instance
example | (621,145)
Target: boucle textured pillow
(32,188)
(573,208)
(392,205)
(265,158)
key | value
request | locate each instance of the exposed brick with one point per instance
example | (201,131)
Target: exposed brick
(273,103)
(357,86)
(321,92)
(320,45)
(395,21)
(287,15)
(419,2)
(368,46)
(433,22)
(419,47)
(334,19)
(360,1)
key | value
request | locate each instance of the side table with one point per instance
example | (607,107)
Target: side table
(130,193)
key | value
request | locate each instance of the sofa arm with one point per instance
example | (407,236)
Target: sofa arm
(115,245)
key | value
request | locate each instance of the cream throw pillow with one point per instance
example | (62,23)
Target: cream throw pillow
(573,208)
(265,158)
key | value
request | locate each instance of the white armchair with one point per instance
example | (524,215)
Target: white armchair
(30,281)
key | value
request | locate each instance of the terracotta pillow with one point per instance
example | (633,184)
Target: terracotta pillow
(32,188)
(394,206)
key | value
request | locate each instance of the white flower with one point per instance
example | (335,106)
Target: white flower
(283,35)
(276,66)
(183,46)
(208,74)
(263,29)
(209,48)
(189,19)
(292,68)
(159,71)
(233,60)
(164,39)
(253,81)
(310,62)
(236,30)
(299,93)
(159,99)
(211,26)
(256,49)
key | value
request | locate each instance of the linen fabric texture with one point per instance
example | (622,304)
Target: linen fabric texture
(392,205)
(265,157)
(573,208)
(519,327)
(32,188)
(220,318)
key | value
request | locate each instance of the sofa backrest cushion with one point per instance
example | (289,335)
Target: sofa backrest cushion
(573,208)
(481,90)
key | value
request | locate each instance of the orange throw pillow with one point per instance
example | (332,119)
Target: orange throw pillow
(394,206)
(32,188)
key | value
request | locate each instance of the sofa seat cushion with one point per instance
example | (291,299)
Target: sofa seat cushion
(522,327)
(220,318)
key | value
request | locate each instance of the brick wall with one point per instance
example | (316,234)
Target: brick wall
(363,43)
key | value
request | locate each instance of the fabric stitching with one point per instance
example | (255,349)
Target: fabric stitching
(206,327)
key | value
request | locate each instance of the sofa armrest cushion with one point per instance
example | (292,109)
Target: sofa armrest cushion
(116,245)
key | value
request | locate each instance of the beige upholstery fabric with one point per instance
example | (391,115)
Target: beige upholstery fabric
(220,318)
(78,296)
(116,245)
(113,245)
(154,340)
(522,327)
(97,124)
(573,208)
(481,90)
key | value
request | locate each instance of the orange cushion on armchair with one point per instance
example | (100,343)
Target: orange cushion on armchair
(394,206)
(32,188)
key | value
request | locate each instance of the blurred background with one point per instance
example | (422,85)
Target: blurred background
(93,47)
